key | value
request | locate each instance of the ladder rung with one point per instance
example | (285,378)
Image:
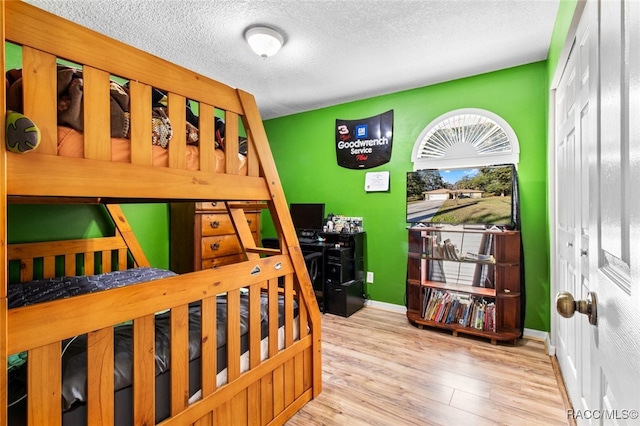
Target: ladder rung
(262,250)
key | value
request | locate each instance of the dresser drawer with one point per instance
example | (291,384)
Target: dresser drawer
(202,232)
(220,223)
(215,224)
(223,260)
(211,205)
(220,245)
(252,220)
(216,205)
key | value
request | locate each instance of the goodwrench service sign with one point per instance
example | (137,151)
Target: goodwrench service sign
(364,143)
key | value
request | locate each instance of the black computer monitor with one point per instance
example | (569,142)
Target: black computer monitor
(307,216)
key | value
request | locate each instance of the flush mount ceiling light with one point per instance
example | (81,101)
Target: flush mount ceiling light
(264,41)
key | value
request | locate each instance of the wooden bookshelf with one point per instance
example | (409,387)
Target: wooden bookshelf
(445,285)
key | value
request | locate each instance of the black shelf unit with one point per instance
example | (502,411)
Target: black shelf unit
(340,284)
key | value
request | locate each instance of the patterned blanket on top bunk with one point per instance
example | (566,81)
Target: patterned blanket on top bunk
(45,290)
(71,121)
(70,108)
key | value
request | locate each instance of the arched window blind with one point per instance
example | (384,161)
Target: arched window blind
(465,138)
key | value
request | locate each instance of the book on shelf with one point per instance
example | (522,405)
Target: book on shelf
(433,303)
(490,317)
(428,242)
(446,250)
(449,307)
(425,299)
(479,318)
(443,307)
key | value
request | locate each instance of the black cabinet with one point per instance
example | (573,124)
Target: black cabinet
(344,298)
(340,265)
(343,272)
(339,281)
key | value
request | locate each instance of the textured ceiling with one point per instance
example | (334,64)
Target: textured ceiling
(334,51)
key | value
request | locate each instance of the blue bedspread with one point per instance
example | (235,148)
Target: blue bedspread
(45,290)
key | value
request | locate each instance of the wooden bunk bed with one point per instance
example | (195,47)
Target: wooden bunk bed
(261,388)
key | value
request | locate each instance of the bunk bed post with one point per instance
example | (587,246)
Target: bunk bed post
(3,240)
(278,205)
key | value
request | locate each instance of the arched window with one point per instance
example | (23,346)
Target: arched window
(466,138)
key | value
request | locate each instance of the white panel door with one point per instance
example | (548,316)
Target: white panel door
(565,270)
(575,134)
(615,171)
(601,363)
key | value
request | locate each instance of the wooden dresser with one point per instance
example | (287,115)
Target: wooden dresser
(203,237)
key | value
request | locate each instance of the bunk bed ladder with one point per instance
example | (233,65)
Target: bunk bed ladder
(241,225)
(289,245)
(124,231)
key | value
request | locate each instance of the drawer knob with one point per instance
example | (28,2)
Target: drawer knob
(249,221)
(214,224)
(215,246)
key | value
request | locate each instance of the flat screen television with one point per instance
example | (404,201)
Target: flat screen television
(483,196)
(307,216)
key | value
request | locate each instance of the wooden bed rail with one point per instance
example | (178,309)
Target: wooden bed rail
(77,314)
(31,28)
(289,385)
(27,331)
(85,250)
(87,256)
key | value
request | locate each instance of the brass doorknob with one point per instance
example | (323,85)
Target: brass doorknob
(566,306)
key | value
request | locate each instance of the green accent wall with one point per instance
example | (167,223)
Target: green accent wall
(303,146)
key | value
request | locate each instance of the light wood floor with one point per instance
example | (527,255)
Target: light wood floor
(380,370)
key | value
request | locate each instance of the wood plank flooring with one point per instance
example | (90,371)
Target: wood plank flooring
(380,370)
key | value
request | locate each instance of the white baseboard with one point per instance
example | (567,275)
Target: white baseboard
(542,336)
(386,306)
(535,334)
